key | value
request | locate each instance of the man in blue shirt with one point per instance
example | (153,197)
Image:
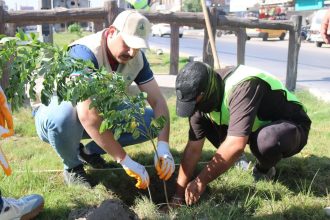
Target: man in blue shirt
(116,48)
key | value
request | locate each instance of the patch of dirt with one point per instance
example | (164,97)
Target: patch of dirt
(109,209)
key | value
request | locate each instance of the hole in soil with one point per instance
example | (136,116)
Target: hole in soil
(123,186)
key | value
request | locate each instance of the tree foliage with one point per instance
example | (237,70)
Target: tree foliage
(75,28)
(192,6)
(26,59)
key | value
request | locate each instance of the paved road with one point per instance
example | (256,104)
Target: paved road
(313,63)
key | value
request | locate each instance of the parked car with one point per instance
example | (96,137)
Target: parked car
(315,35)
(265,33)
(163,29)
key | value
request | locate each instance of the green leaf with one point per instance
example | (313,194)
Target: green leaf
(118,132)
(20,34)
(103,126)
(136,134)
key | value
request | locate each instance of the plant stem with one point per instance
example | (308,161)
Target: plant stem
(149,194)
(150,137)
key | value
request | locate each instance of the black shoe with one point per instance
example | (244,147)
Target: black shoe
(76,176)
(259,175)
(94,160)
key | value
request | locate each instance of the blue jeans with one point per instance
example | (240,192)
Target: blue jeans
(1,202)
(59,126)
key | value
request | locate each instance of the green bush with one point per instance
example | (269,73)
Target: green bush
(192,6)
(75,28)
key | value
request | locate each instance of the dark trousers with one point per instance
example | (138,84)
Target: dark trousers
(271,143)
(280,139)
(1,202)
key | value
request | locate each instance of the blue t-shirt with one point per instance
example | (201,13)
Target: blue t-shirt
(82,52)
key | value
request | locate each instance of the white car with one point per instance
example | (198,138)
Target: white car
(163,29)
(315,34)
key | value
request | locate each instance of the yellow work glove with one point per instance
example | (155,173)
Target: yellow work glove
(6,119)
(164,162)
(137,171)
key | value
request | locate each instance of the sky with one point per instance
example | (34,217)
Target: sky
(15,4)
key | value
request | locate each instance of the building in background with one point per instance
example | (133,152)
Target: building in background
(279,9)
(305,5)
(70,4)
(223,5)
(3,4)
(30,28)
(307,9)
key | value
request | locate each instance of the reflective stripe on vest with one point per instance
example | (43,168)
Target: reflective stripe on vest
(243,73)
(139,4)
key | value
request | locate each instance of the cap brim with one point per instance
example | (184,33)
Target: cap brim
(185,109)
(135,42)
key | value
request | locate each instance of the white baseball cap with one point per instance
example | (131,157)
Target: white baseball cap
(134,28)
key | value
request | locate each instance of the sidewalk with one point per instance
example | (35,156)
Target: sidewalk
(193,32)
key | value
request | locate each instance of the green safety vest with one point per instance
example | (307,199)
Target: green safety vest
(243,73)
(139,4)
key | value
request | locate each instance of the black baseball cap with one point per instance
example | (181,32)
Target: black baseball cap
(191,81)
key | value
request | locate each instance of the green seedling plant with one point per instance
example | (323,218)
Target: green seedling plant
(19,58)
(25,59)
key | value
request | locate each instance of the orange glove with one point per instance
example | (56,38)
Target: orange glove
(163,160)
(4,163)
(6,119)
(137,171)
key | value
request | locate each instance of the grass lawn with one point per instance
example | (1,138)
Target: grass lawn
(299,192)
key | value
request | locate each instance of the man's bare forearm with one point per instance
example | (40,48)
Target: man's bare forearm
(189,161)
(91,121)
(226,155)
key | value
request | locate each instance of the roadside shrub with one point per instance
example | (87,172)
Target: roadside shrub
(75,28)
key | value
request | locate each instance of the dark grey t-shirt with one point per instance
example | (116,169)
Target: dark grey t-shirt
(250,98)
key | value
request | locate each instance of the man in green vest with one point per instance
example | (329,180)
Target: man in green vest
(233,108)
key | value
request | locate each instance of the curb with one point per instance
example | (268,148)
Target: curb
(193,33)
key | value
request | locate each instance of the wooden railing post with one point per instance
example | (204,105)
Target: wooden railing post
(207,53)
(112,10)
(293,52)
(2,23)
(241,43)
(97,26)
(10,29)
(174,52)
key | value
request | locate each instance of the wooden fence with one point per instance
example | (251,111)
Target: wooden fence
(105,15)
